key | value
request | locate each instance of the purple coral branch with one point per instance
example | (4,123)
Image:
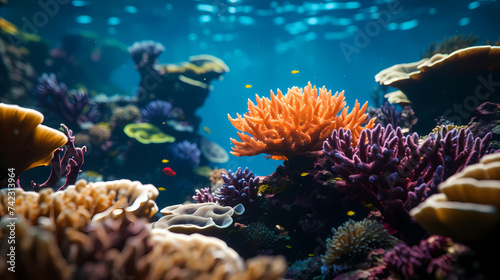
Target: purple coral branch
(69,165)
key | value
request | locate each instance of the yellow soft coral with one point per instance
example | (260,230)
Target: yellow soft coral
(296,122)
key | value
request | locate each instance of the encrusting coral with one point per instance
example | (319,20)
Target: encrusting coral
(352,241)
(296,122)
(78,204)
(25,143)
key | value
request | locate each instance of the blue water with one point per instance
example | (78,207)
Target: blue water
(340,44)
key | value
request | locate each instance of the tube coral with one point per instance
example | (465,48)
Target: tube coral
(297,122)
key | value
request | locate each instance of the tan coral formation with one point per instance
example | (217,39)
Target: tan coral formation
(36,254)
(78,204)
(468,207)
(200,217)
(26,143)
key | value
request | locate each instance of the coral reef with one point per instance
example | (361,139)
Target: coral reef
(203,218)
(467,207)
(238,187)
(352,241)
(387,114)
(487,119)
(69,165)
(78,204)
(294,123)
(445,77)
(431,259)
(204,195)
(393,172)
(186,154)
(75,106)
(156,112)
(25,142)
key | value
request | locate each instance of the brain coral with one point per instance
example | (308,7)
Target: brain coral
(296,122)
(353,240)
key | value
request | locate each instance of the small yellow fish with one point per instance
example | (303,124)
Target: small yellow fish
(207,130)
(310,255)
(295,71)
(165,160)
(289,246)
(162,189)
(248,86)
(350,213)
(304,174)
(163,123)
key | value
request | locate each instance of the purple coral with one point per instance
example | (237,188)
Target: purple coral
(145,53)
(431,259)
(156,112)
(204,196)
(69,165)
(238,187)
(74,105)
(394,172)
(187,153)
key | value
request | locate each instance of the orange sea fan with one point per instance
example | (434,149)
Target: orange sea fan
(296,122)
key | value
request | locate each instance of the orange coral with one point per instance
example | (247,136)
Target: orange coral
(296,122)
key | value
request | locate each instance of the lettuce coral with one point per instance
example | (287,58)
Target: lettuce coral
(296,122)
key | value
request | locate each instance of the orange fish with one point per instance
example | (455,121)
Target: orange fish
(169,172)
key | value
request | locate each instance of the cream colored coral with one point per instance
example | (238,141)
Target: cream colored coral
(201,217)
(468,206)
(76,205)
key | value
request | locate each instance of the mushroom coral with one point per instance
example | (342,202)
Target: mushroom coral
(25,142)
(297,122)
(467,75)
(147,133)
(467,209)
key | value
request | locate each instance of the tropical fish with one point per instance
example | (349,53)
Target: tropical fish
(165,160)
(289,246)
(304,174)
(162,189)
(350,213)
(169,172)
(248,86)
(310,255)
(295,71)
(207,130)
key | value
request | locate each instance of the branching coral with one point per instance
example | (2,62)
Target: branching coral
(25,142)
(431,259)
(467,209)
(393,172)
(204,195)
(238,187)
(69,165)
(352,241)
(74,105)
(297,122)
